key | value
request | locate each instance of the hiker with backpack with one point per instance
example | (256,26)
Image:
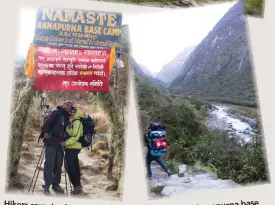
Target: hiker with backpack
(73,147)
(52,133)
(157,146)
(79,135)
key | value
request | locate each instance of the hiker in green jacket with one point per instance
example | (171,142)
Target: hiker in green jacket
(72,149)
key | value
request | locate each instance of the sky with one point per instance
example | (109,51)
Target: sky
(156,37)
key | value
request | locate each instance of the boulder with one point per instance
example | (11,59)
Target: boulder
(182,170)
(185,170)
(174,177)
(211,176)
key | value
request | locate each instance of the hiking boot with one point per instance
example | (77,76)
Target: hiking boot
(169,173)
(77,189)
(46,190)
(58,189)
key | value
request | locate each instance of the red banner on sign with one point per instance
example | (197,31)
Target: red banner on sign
(72,69)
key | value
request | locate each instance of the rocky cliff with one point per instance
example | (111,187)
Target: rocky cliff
(220,68)
(171,70)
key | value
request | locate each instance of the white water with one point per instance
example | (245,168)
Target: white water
(221,119)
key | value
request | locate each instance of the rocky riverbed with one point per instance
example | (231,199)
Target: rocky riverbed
(221,118)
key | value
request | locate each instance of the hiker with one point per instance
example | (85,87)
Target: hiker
(43,100)
(53,131)
(72,148)
(156,145)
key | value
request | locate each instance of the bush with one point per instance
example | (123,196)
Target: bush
(157,190)
(173,165)
(99,145)
(103,154)
(254,7)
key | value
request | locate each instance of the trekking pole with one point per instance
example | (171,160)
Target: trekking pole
(66,172)
(66,181)
(70,183)
(36,168)
(43,154)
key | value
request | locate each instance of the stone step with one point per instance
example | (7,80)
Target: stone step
(196,185)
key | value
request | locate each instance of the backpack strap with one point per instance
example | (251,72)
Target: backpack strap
(149,141)
(78,126)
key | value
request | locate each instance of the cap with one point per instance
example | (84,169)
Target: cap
(69,102)
(74,108)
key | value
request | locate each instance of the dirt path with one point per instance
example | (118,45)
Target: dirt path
(93,179)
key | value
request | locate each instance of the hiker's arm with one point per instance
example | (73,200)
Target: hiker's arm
(47,125)
(76,133)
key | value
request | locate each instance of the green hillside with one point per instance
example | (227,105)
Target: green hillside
(190,140)
(227,85)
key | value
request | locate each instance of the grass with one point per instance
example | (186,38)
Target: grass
(101,120)
(99,145)
(25,146)
(18,121)
(157,189)
(103,154)
(245,111)
(207,169)
(254,7)
(173,165)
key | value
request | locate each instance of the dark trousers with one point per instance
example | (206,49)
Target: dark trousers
(53,166)
(72,166)
(150,159)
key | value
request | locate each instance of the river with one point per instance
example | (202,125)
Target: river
(220,118)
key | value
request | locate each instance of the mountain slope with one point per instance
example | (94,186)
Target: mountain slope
(171,70)
(138,71)
(145,70)
(220,68)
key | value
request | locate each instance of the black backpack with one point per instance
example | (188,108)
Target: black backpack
(47,115)
(88,131)
(154,126)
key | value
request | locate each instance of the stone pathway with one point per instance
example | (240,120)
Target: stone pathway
(187,180)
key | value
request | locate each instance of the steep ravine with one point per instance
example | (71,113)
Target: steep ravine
(220,66)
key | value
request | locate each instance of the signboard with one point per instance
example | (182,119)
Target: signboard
(72,69)
(77,28)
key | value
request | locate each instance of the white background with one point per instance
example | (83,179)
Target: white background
(135,192)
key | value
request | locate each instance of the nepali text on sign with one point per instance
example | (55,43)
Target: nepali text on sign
(77,28)
(72,69)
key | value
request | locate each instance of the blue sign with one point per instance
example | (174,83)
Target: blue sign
(117,55)
(77,28)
